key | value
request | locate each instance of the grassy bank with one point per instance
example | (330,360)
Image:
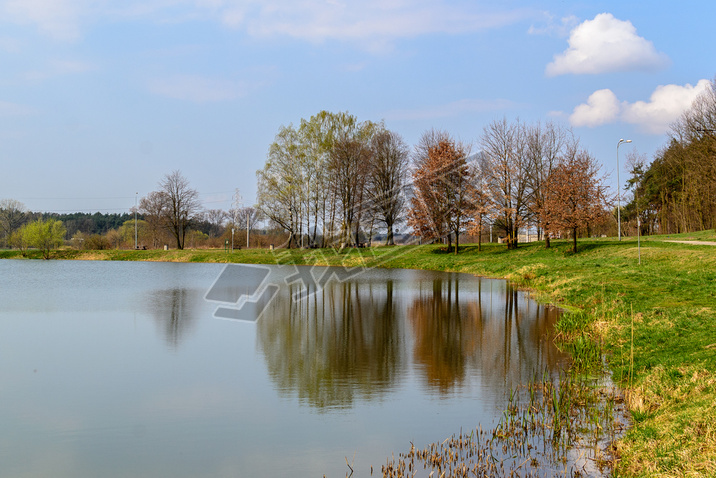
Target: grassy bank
(667,304)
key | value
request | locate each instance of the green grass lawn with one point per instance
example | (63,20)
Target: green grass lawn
(667,302)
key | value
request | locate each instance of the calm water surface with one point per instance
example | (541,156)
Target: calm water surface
(121,370)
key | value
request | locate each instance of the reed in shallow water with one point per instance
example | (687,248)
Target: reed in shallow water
(560,427)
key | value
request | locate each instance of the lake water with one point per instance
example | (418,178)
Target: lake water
(119,369)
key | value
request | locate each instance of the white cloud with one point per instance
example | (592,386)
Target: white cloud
(554,27)
(197,89)
(373,23)
(604,45)
(59,19)
(601,107)
(665,105)
(454,108)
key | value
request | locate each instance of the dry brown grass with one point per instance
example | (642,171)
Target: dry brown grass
(673,440)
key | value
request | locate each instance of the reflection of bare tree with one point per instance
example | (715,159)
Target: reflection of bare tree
(443,339)
(334,346)
(348,341)
(499,334)
(518,334)
(174,311)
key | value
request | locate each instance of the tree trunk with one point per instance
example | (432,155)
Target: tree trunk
(546,238)
(574,236)
(479,235)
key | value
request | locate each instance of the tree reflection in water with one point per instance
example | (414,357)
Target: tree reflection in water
(358,340)
(335,346)
(459,335)
(175,312)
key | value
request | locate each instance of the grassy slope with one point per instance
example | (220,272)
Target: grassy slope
(669,299)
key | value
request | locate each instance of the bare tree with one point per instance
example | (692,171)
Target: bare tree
(152,208)
(545,145)
(481,204)
(216,219)
(388,169)
(348,166)
(180,207)
(506,170)
(247,218)
(12,216)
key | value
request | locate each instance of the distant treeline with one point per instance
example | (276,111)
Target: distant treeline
(13,215)
(86,223)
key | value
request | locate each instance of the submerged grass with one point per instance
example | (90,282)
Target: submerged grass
(551,427)
(655,323)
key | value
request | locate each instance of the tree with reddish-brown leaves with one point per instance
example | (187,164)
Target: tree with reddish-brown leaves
(441,202)
(575,195)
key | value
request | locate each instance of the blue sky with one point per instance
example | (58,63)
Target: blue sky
(100,98)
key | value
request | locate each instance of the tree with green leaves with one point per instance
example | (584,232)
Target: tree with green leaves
(306,186)
(44,235)
(677,191)
(280,184)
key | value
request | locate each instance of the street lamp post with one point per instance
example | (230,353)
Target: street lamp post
(619,187)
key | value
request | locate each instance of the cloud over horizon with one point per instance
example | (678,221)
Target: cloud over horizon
(665,105)
(372,24)
(59,19)
(604,45)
